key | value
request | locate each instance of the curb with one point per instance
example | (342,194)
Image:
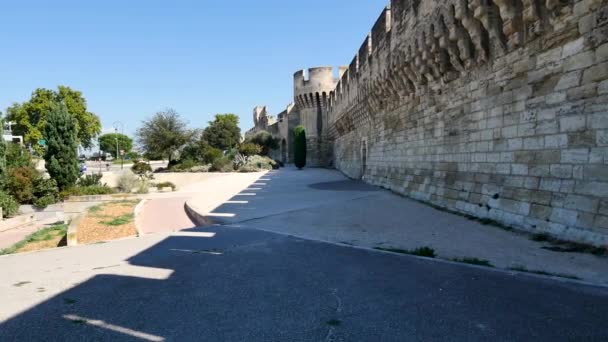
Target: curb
(198,219)
(72,235)
(136,212)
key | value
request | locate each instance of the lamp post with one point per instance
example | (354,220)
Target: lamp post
(122,127)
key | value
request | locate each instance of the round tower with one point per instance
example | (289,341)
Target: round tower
(311,95)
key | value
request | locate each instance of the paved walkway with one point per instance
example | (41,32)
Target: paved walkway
(323,205)
(12,236)
(166,213)
(239,283)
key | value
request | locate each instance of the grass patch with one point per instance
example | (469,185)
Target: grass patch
(561,275)
(96,209)
(542,237)
(45,234)
(334,322)
(119,221)
(474,261)
(557,245)
(421,251)
(572,247)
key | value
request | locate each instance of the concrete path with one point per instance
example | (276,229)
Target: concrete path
(166,213)
(323,205)
(12,236)
(230,284)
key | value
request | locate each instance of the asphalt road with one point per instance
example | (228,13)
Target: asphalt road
(231,284)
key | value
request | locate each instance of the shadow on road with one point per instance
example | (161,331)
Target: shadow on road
(229,284)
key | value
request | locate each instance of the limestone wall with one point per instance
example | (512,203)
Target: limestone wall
(497,109)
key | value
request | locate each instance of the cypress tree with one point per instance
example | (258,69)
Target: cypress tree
(61,156)
(3,171)
(300,147)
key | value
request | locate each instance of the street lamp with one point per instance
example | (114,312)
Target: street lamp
(122,128)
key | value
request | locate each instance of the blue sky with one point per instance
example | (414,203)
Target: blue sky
(133,58)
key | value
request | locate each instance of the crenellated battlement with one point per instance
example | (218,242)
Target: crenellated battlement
(491,108)
(312,88)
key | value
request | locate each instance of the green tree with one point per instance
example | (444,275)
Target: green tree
(3,150)
(31,117)
(223,132)
(265,140)
(108,143)
(300,147)
(61,133)
(250,149)
(164,134)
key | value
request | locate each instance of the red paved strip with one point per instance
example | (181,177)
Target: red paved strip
(164,215)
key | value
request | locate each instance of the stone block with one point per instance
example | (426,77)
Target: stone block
(575,156)
(569,80)
(596,73)
(598,120)
(582,139)
(561,171)
(581,203)
(539,211)
(564,216)
(574,47)
(596,172)
(598,189)
(572,123)
(556,141)
(579,61)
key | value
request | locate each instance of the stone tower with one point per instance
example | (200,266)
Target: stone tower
(311,95)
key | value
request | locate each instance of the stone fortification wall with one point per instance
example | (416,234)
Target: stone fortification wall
(497,109)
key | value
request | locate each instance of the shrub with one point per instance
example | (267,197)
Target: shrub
(44,201)
(20,183)
(46,192)
(10,207)
(143,187)
(90,180)
(223,165)
(300,147)
(258,163)
(250,149)
(142,170)
(184,165)
(265,140)
(91,190)
(211,154)
(163,185)
(16,156)
(127,182)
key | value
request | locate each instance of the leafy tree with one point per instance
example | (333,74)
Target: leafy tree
(164,134)
(300,147)
(250,149)
(3,150)
(265,140)
(223,132)
(107,143)
(201,152)
(62,146)
(31,117)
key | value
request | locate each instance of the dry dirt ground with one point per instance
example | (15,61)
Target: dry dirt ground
(111,221)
